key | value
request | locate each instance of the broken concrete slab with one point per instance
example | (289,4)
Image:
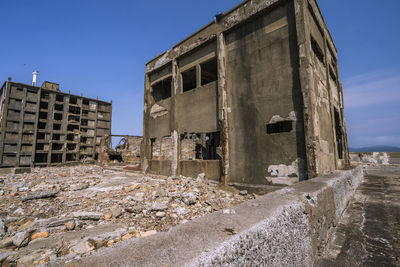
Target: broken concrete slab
(39,195)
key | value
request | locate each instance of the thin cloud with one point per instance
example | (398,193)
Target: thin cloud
(371,89)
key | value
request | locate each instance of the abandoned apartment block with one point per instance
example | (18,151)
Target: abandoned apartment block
(253,97)
(42,126)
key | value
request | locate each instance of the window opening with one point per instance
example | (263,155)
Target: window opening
(162,89)
(209,71)
(317,50)
(279,127)
(189,80)
(339,135)
(56,127)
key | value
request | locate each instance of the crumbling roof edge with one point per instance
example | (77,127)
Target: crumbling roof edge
(326,26)
(199,30)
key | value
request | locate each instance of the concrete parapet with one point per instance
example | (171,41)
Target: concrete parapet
(289,227)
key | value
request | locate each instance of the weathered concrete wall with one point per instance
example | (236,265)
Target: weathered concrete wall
(384,158)
(198,110)
(269,77)
(192,168)
(264,88)
(319,73)
(160,167)
(289,227)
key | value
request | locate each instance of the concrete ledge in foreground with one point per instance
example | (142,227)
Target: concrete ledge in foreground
(289,227)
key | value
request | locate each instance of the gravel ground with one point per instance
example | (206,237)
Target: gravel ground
(71,211)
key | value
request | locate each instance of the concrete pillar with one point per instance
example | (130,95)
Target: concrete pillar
(305,74)
(331,106)
(224,109)
(175,135)
(146,145)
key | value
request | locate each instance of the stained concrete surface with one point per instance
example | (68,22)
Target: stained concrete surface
(369,233)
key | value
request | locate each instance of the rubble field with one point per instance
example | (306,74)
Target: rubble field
(64,213)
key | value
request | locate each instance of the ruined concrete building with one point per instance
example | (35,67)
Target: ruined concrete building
(252,97)
(42,126)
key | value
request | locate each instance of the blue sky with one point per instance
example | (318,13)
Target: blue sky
(99,48)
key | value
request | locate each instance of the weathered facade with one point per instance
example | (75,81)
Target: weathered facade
(42,126)
(252,97)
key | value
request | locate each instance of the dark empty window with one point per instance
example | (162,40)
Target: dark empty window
(84,122)
(57,127)
(39,146)
(73,100)
(85,102)
(189,79)
(72,127)
(71,146)
(41,158)
(57,116)
(279,127)
(73,118)
(56,137)
(209,71)
(339,134)
(56,158)
(70,137)
(56,146)
(59,107)
(60,98)
(43,115)
(44,105)
(41,136)
(42,125)
(333,75)
(317,50)
(162,89)
(74,110)
(71,157)
(45,95)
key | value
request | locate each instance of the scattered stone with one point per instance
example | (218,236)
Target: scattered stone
(2,227)
(58,223)
(116,212)
(228,211)
(97,243)
(40,235)
(39,195)
(189,198)
(70,225)
(87,215)
(19,212)
(6,242)
(81,248)
(110,243)
(127,236)
(148,233)
(90,197)
(46,259)
(157,206)
(160,214)
(78,187)
(243,192)
(3,257)
(21,239)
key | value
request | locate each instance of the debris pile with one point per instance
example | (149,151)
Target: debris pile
(71,211)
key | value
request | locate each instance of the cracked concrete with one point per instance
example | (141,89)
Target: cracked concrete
(368,234)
